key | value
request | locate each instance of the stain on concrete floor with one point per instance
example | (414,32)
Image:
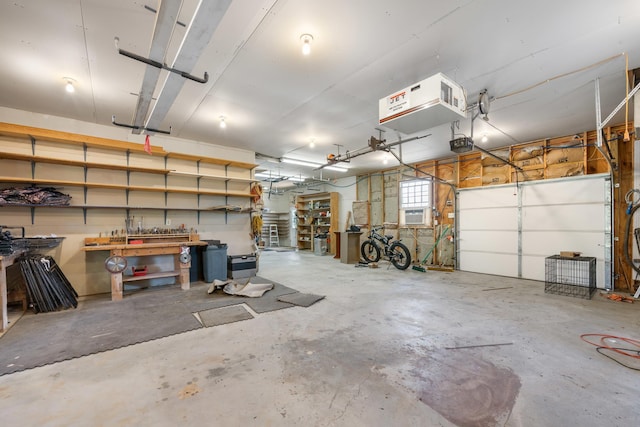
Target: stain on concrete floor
(189,390)
(466,389)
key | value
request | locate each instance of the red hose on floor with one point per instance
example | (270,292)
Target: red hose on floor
(603,344)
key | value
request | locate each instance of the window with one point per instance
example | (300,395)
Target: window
(415,193)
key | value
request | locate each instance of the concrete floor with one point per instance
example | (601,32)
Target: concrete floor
(375,352)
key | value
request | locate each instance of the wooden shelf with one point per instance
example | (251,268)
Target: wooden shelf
(80,163)
(151,276)
(62,183)
(35,145)
(210,160)
(20,131)
(214,177)
(154,208)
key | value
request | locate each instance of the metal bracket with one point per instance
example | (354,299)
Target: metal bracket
(162,66)
(124,125)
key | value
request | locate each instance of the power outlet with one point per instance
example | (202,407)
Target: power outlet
(167,222)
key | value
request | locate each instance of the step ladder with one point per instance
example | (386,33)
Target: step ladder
(274,240)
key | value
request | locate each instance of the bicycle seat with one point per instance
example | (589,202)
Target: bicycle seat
(389,236)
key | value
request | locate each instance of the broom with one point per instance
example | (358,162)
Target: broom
(424,260)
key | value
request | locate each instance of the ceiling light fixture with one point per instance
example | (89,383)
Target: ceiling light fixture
(485,138)
(312,143)
(306,43)
(297,178)
(266,175)
(312,165)
(336,169)
(69,86)
(223,124)
(300,162)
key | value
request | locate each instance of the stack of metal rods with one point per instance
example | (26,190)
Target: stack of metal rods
(47,286)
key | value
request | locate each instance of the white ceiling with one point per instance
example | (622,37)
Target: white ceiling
(276,101)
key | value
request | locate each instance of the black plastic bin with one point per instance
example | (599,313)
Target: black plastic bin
(214,261)
(196,273)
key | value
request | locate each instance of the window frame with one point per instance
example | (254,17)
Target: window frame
(418,182)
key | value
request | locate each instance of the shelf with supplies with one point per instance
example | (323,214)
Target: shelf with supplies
(275,228)
(316,214)
(102,173)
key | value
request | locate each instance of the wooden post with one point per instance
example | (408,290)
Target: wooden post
(183,278)
(116,281)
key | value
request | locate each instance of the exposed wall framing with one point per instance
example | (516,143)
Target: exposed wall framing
(558,157)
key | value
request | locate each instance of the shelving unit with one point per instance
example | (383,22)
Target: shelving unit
(279,219)
(126,167)
(316,214)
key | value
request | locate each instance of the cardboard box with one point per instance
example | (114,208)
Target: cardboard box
(569,254)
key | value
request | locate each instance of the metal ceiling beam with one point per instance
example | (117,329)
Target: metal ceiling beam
(166,18)
(204,23)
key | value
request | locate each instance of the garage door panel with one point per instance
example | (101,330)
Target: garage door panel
(489,263)
(547,243)
(496,236)
(488,198)
(489,219)
(564,217)
(574,191)
(494,241)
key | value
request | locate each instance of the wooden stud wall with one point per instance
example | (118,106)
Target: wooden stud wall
(558,156)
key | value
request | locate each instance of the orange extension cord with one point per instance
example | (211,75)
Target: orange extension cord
(629,352)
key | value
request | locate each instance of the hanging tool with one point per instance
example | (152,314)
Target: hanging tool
(424,260)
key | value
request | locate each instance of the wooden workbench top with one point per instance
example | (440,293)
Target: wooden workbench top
(143,246)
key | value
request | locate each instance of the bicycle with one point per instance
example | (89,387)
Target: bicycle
(393,250)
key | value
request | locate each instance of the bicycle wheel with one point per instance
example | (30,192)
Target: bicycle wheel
(400,256)
(370,251)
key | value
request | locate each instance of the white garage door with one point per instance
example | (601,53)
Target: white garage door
(509,230)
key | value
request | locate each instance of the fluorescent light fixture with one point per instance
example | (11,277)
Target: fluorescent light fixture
(300,162)
(336,169)
(265,175)
(297,178)
(313,165)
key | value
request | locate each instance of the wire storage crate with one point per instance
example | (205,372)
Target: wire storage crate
(570,276)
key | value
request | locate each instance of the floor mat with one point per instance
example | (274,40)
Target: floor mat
(95,326)
(99,324)
(224,315)
(303,300)
(269,301)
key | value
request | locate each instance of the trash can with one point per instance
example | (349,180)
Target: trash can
(195,272)
(320,244)
(214,261)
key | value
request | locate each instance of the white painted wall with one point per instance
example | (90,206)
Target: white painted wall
(346,188)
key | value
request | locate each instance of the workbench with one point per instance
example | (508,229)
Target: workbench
(6,261)
(181,269)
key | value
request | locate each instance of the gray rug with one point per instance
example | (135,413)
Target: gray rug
(224,315)
(300,299)
(100,324)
